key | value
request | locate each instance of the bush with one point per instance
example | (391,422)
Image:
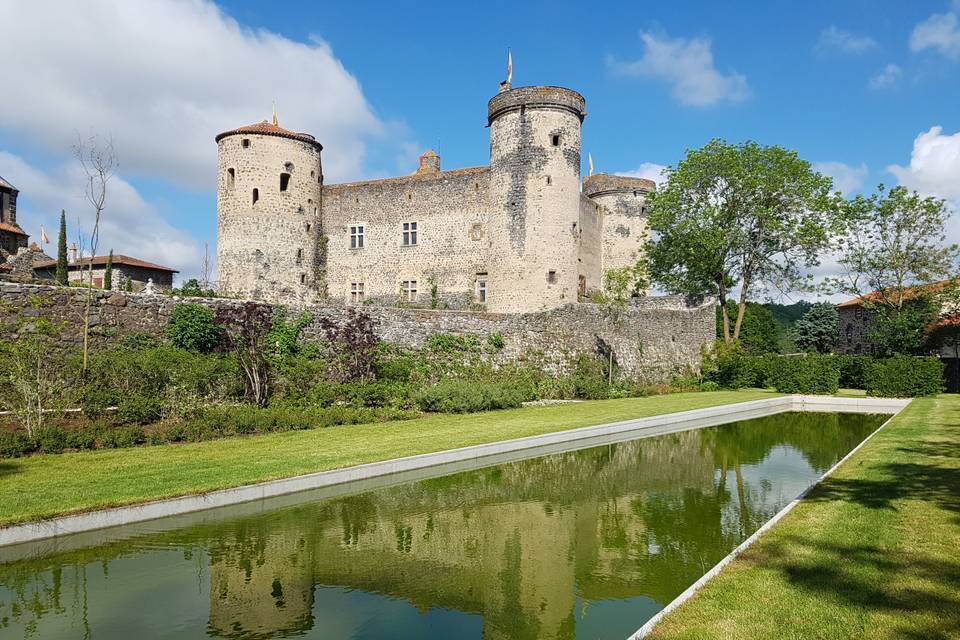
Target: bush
(590,379)
(731,368)
(14,444)
(96,399)
(50,440)
(853,371)
(709,385)
(122,437)
(810,374)
(194,327)
(140,409)
(81,439)
(460,396)
(905,377)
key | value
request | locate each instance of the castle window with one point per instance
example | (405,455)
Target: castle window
(303,278)
(284,181)
(409,196)
(849,332)
(356,236)
(634,194)
(482,289)
(256,195)
(555,139)
(408,290)
(245,143)
(308,227)
(409,234)
(858,312)
(288,167)
(356,292)
(299,255)
(552,276)
(313,174)
(549,180)
(231,177)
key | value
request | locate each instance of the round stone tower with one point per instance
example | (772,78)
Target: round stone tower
(268,213)
(625,217)
(534,198)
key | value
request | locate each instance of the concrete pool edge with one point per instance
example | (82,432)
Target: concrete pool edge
(629,429)
(714,571)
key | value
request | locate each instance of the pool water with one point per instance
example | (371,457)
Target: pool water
(584,544)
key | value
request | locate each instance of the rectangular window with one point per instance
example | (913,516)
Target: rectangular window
(356,292)
(356,236)
(231,177)
(552,277)
(409,233)
(482,290)
(408,290)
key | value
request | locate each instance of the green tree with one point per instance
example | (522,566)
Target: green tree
(892,246)
(759,331)
(108,272)
(819,329)
(741,215)
(61,276)
(903,329)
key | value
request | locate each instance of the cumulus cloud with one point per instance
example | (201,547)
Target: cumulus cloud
(163,78)
(129,224)
(846,179)
(934,165)
(648,170)
(833,38)
(940,32)
(688,66)
(888,77)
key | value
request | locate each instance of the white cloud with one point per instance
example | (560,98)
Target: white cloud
(688,65)
(833,38)
(163,78)
(129,224)
(648,170)
(934,165)
(846,179)
(887,77)
(940,32)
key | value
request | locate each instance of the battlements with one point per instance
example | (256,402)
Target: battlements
(536,98)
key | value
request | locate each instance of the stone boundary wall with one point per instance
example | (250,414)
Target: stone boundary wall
(654,337)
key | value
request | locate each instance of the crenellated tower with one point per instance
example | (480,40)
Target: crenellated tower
(535,142)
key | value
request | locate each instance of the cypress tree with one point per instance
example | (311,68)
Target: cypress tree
(61,276)
(108,272)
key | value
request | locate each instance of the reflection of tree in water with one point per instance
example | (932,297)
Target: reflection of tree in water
(513,543)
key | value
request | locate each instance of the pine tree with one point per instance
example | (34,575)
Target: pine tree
(108,272)
(61,276)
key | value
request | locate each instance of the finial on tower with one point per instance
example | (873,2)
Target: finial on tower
(275,122)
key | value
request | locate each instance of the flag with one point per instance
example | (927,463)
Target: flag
(509,66)
(590,162)
(43,236)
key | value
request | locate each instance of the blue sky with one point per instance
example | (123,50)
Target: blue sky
(856,87)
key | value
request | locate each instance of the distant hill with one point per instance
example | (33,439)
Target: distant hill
(786,316)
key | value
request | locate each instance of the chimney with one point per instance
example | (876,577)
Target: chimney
(429,162)
(72,253)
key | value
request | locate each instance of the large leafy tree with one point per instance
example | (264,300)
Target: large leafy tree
(739,215)
(759,331)
(819,329)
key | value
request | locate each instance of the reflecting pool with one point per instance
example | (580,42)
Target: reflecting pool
(582,544)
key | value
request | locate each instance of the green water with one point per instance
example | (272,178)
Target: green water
(585,544)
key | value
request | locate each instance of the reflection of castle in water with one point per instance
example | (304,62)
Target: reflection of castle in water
(526,546)
(514,543)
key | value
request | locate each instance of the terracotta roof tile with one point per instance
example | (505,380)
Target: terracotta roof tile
(102,260)
(6,185)
(12,228)
(267,129)
(909,292)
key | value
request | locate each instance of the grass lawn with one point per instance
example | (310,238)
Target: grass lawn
(872,553)
(44,486)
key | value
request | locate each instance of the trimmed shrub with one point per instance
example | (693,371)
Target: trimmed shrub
(122,437)
(459,396)
(709,385)
(810,374)
(853,371)
(194,327)
(905,377)
(81,439)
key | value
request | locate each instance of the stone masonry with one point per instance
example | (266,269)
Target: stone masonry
(652,337)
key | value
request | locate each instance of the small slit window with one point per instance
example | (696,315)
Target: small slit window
(549,180)
(308,227)
(555,139)
(231,177)
(552,276)
(284,181)
(303,278)
(299,255)
(245,143)
(256,195)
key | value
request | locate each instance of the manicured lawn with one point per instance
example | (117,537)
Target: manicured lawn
(44,486)
(873,553)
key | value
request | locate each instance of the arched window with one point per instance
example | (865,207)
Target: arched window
(256,195)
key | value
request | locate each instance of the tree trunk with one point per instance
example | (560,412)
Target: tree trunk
(722,295)
(741,307)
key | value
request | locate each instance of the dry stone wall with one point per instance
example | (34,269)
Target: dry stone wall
(654,337)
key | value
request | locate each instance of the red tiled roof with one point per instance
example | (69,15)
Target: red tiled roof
(6,185)
(12,228)
(102,260)
(908,293)
(267,129)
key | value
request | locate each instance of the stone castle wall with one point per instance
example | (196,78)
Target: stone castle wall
(452,244)
(654,337)
(589,245)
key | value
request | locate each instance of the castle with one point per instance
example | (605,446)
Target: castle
(520,235)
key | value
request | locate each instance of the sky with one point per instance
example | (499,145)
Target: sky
(868,91)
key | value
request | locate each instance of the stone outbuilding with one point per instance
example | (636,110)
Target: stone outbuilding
(125,269)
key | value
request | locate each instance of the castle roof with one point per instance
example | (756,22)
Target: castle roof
(436,175)
(602,183)
(102,260)
(6,185)
(267,129)
(536,97)
(12,228)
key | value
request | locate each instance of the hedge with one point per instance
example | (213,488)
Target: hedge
(809,374)
(905,377)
